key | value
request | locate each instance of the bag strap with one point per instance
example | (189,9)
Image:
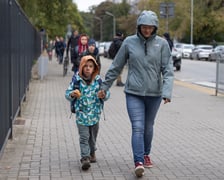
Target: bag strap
(75,82)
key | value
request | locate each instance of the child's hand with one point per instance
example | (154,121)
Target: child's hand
(101,94)
(76,94)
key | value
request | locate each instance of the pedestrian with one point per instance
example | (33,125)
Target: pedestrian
(88,107)
(93,51)
(149,81)
(114,47)
(49,48)
(79,49)
(60,47)
(72,43)
(166,35)
(56,46)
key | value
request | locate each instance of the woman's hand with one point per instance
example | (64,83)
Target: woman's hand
(166,100)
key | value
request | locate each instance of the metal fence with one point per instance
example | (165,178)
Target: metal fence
(19,47)
(219,75)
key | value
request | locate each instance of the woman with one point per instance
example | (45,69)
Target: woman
(149,80)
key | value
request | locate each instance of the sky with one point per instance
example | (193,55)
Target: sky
(83,5)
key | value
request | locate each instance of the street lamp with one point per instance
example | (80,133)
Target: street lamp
(101,26)
(114,23)
(192,22)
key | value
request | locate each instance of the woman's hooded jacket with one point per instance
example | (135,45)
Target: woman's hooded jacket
(88,107)
(150,68)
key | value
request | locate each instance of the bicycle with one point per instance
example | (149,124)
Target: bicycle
(65,66)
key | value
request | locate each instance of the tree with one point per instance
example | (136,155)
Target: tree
(52,15)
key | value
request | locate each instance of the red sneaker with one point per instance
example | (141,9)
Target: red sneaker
(147,161)
(139,169)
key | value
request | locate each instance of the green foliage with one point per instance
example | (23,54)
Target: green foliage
(120,11)
(55,15)
(52,15)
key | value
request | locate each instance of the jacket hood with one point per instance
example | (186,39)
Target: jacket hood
(91,42)
(166,35)
(83,62)
(148,18)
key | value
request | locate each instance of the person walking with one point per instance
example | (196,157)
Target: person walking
(88,107)
(71,45)
(60,47)
(114,47)
(149,81)
(166,35)
(79,49)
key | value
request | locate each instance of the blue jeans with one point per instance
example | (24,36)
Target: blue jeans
(87,139)
(142,111)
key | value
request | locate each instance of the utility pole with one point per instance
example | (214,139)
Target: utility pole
(101,27)
(114,22)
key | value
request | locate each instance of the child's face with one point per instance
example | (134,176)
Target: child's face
(88,68)
(83,40)
(91,48)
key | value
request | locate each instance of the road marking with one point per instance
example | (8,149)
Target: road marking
(202,89)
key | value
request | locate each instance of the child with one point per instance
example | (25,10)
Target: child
(93,51)
(88,107)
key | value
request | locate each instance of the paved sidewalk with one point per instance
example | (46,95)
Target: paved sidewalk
(188,141)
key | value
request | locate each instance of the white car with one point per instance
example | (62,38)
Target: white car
(216,53)
(178,47)
(187,50)
(201,52)
(101,48)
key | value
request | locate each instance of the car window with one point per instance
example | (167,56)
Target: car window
(208,48)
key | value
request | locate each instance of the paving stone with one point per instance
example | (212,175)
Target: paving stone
(187,145)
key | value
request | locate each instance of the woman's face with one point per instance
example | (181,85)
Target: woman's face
(146,30)
(84,40)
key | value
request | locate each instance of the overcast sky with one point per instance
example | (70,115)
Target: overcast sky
(83,5)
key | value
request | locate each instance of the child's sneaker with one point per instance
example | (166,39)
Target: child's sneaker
(85,163)
(147,161)
(139,169)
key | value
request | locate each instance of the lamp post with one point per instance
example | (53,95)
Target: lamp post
(114,22)
(192,22)
(101,26)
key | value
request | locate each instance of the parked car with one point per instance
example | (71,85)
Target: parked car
(201,52)
(217,51)
(178,47)
(187,50)
(106,48)
(101,48)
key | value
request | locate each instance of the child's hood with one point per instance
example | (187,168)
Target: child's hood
(83,62)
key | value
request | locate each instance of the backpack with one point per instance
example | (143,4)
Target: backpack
(76,85)
(112,50)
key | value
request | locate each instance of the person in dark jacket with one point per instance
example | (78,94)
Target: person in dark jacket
(166,35)
(60,47)
(71,45)
(149,81)
(118,39)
